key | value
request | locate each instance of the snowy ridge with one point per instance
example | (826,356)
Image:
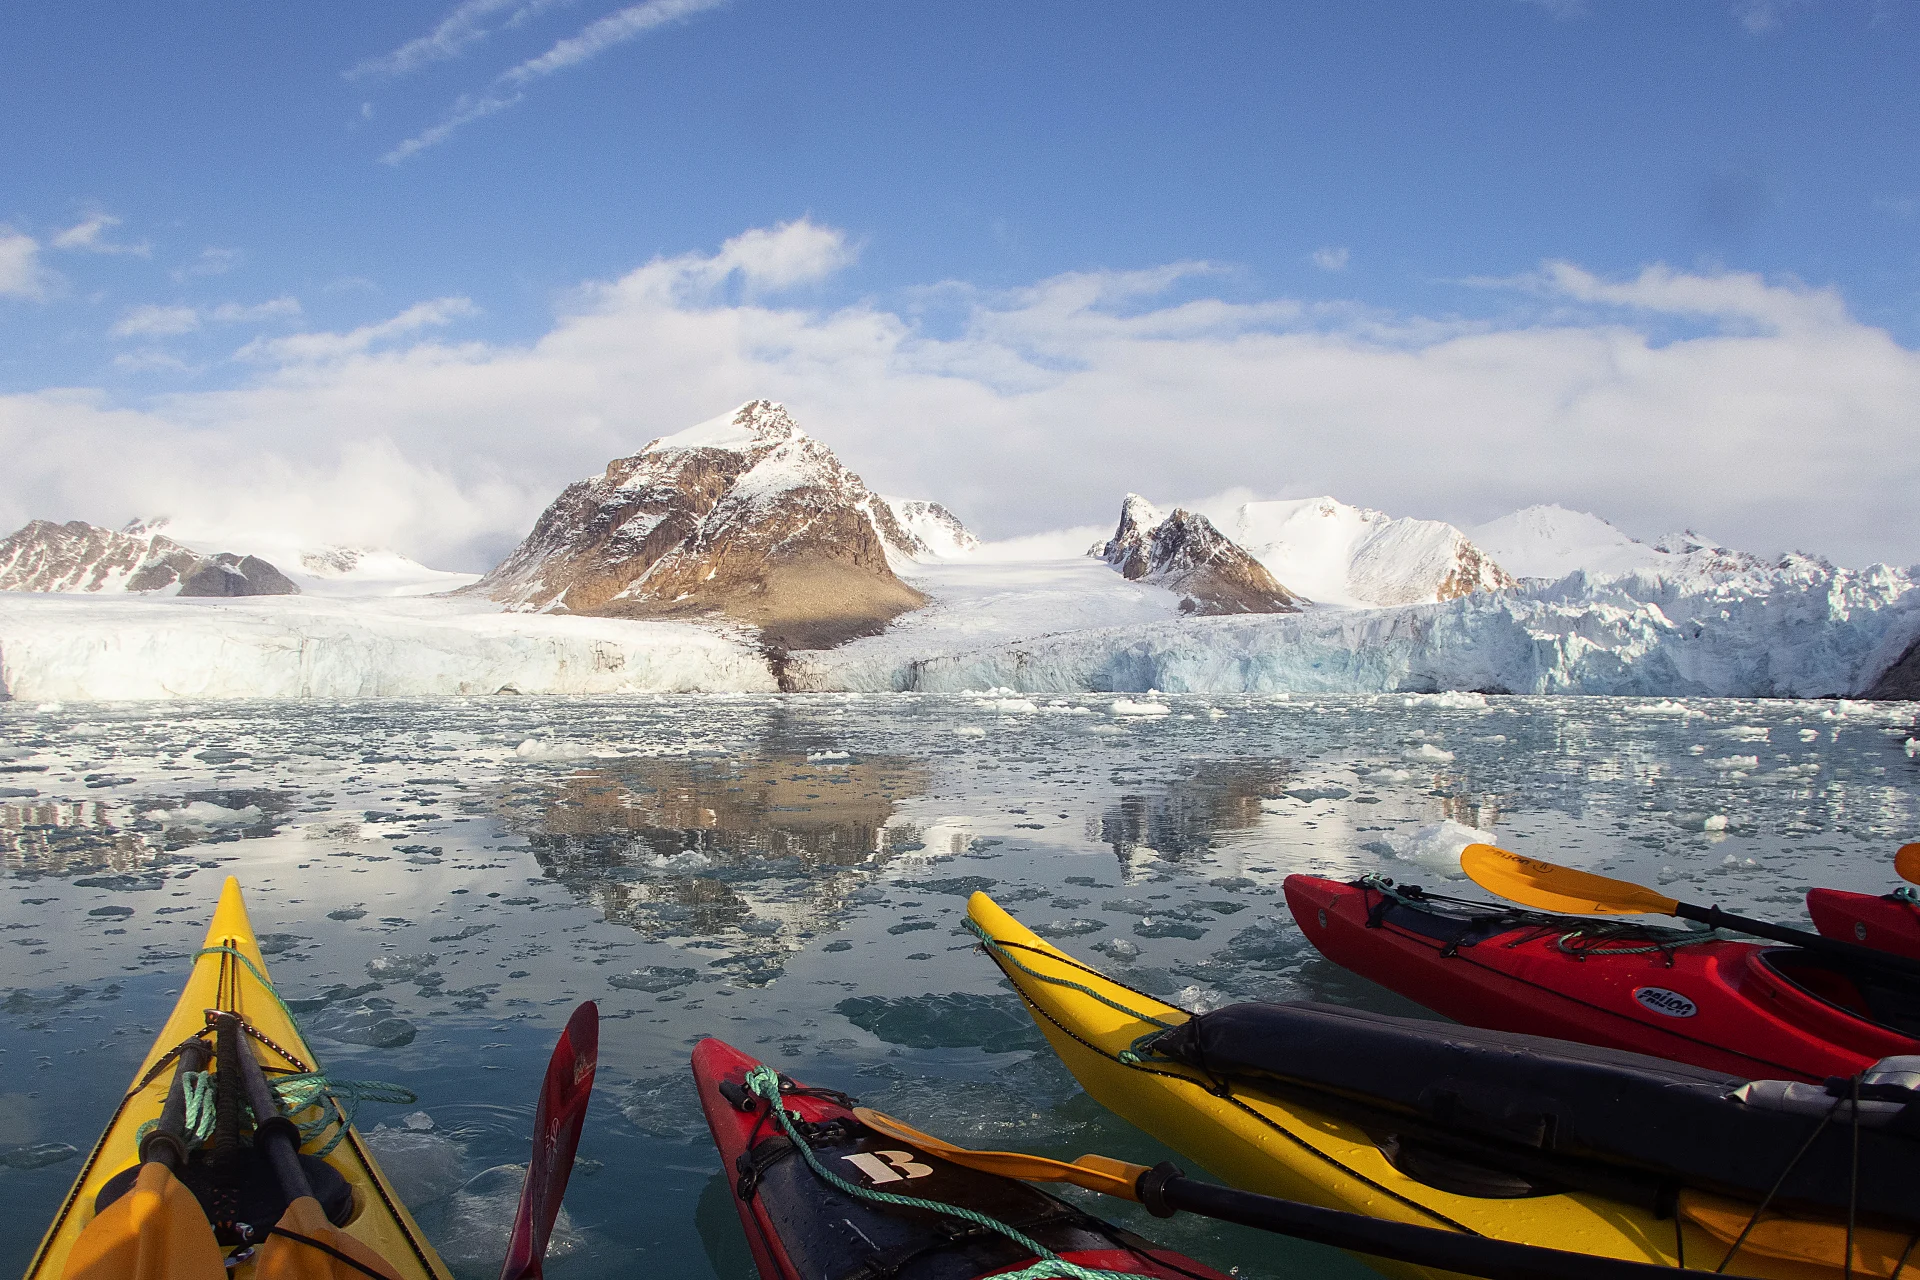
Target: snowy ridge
(1335,553)
(933,530)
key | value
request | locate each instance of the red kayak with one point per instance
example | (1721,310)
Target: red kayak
(1887,922)
(802,1228)
(1745,1009)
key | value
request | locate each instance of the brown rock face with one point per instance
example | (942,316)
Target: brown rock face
(1184,553)
(745,516)
(1901,681)
(77,556)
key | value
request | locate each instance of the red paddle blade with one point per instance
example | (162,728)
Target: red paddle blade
(556,1132)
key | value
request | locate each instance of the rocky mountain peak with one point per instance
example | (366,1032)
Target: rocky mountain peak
(744,516)
(81,557)
(1184,553)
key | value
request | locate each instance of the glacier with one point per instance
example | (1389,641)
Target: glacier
(1693,623)
(110,648)
(1798,629)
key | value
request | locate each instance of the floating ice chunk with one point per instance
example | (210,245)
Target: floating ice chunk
(1428,751)
(825,757)
(1716,822)
(1746,732)
(1128,707)
(422,1164)
(1913,747)
(1729,764)
(547,749)
(1198,999)
(1008,706)
(204,813)
(969,731)
(1811,735)
(1463,701)
(1437,846)
(480,1218)
(47,708)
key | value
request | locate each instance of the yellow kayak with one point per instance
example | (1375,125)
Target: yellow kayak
(1264,1144)
(229,975)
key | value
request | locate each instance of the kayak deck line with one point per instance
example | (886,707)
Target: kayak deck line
(1133,1059)
(228,978)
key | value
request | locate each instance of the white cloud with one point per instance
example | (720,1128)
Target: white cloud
(151,361)
(282,308)
(168,321)
(1330,258)
(88,234)
(510,86)
(316,348)
(21,275)
(449,39)
(211,262)
(1778,420)
(156,322)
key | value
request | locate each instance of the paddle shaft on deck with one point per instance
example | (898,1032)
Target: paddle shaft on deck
(1840,949)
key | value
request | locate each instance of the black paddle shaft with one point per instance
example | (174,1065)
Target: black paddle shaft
(272,1131)
(1163,1189)
(1852,952)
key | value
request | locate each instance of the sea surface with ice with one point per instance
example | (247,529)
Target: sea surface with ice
(437,883)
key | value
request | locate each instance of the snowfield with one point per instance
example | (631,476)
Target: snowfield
(63,647)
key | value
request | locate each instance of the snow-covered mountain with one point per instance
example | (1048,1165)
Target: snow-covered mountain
(1186,555)
(744,516)
(1550,542)
(931,528)
(1334,553)
(81,557)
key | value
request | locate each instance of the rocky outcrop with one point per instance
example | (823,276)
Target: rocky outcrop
(1900,682)
(746,517)
(933,530)
(1185,554)
(227,574)
(82,557)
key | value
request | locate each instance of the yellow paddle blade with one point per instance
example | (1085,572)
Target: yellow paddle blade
(1907,862)
(1546,887)
(1096,1173)
(156,1231)
(305,1246)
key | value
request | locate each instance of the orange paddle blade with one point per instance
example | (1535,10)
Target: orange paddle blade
(1096,1173)
(1547,887)
(1907,862)
(156,1231)
(305,1246)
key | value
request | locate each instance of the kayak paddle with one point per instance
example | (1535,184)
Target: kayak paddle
(1164,1189)
(557,1119)
(1548,887)
(1906,860)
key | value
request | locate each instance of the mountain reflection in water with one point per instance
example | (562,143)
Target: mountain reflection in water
(1178,818)
(748,851)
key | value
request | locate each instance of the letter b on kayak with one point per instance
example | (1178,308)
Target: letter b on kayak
(1661,1000)
(889,1166)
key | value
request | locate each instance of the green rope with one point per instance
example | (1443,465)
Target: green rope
(315,1090)
(765,1081)
(1130,1056)
(312,1090)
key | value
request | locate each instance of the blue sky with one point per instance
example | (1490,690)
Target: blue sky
(294,236)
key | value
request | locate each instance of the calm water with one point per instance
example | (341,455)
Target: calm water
(438,882)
